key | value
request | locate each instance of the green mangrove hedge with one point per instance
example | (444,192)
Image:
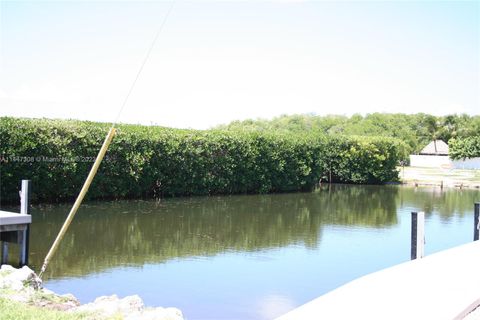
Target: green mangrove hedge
(464,148)
(147,161)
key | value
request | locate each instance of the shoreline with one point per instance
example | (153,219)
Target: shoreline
(433,184)
(438,177)
(24,288)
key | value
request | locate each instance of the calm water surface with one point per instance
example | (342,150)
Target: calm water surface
(243,257)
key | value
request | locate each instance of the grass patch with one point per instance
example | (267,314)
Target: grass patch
(40,296)
(11,310)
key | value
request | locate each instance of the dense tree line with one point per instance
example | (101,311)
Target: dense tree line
(149,161)
(416,130)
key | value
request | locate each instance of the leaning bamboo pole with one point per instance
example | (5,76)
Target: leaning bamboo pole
(101,153)
(78,201)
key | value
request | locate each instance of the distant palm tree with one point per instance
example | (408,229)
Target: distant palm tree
(434,129)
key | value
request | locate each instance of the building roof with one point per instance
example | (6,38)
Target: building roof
(437,147)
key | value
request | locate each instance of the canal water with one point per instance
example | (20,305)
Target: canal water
(243,257)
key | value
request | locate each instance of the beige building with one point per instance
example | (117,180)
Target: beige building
(434,155)
(435,148)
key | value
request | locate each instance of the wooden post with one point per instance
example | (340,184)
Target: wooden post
(476,222)
(418,236)
(4,252)
(24,235)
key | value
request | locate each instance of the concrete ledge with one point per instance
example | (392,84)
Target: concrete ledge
(445,285)
(8,218)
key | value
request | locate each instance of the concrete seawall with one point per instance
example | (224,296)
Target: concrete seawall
(444,285)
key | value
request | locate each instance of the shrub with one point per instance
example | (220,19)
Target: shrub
(464,148)
(146,161)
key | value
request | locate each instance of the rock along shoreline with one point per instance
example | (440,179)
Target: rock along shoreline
(24,286)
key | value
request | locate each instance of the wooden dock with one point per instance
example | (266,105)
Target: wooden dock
(15,227)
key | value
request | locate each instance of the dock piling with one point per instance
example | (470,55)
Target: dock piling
(4,252)
(476,222)
(417,249)
(25,209)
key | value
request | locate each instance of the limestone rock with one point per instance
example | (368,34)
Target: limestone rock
(109,306)
(18,279)
(159,314)
(130,308)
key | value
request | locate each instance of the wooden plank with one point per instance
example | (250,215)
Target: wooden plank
(7,218)
(13,227)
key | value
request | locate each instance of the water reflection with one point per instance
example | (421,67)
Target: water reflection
(133,233)
(447,203)
(274,305)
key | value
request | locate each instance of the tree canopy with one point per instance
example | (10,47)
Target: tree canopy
(416,130)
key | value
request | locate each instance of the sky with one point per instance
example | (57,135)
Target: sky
(219,61)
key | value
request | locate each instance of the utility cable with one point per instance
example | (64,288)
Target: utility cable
(101,154)
(143,63)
